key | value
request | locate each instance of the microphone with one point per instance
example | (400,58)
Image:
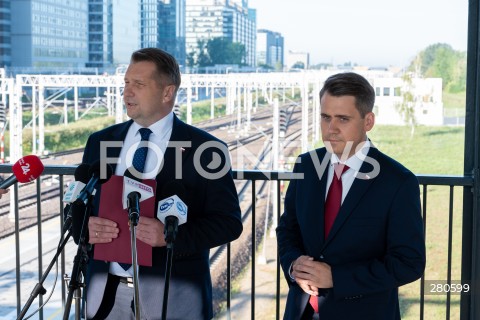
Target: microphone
(26,169)
(94,172)
(79,206)
(133,200)
(133,193)
(172,211)
(72,192)
(75,187)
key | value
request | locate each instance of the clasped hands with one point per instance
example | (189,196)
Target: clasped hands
(311,275)
(149,230)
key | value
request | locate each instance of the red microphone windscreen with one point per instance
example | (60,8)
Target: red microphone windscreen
(27,168)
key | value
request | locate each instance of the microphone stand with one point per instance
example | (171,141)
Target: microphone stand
(133,218)
(170,231)
(39,289)
(79,264)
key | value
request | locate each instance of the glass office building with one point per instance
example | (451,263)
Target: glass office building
(5,34)
(49,34)
(270,48)
(100,43)
(162,25)
(233,20)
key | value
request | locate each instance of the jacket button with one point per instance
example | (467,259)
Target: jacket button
(321,256)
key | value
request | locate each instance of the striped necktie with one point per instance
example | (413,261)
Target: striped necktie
(138,163)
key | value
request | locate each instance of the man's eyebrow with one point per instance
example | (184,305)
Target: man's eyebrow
(335,115)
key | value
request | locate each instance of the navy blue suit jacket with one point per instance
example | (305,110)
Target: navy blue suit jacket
(213,219)
(376,243)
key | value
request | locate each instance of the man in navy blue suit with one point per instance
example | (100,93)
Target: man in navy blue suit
(348,262)
(177,151)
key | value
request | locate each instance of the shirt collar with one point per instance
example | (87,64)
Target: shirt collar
(163,125)
(355,161)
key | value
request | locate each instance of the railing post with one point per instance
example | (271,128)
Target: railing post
(470,304)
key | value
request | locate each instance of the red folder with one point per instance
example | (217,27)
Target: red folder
(119,250)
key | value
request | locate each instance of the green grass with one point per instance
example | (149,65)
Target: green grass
(431,150)
(201,110)
(59,137)
(454,104)
(454,100)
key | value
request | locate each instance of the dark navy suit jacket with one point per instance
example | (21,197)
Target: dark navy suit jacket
(376,243)
(213,219)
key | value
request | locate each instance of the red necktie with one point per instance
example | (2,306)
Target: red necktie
(332,206)
(334,197)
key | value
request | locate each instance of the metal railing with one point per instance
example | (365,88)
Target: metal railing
(421,299)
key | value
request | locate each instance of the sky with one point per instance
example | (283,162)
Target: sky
(376,33)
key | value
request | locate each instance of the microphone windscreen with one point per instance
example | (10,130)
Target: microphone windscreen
(172,188)
(28,168)
(78,214)
(103,175)
(82,173)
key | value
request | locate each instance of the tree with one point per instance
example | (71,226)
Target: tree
(223,51)
(298,65)
(203,58)
(406,108)
(440,60)
(216,51)
(237,53)
(265,66)
(279,66)
(191,59)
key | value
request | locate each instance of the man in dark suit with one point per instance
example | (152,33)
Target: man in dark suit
(177,152)
(346,260)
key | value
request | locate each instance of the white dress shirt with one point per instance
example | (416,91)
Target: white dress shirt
(354,163)
(157,145)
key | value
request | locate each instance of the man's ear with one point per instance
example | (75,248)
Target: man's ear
(169,93)
(369,121)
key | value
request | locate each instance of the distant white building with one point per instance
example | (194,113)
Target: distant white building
(427,100)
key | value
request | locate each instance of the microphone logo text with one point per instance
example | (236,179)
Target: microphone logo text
(182,208)
(164,207)
(25,168)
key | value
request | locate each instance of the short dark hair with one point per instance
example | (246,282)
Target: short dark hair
(164,61)
(351,84)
